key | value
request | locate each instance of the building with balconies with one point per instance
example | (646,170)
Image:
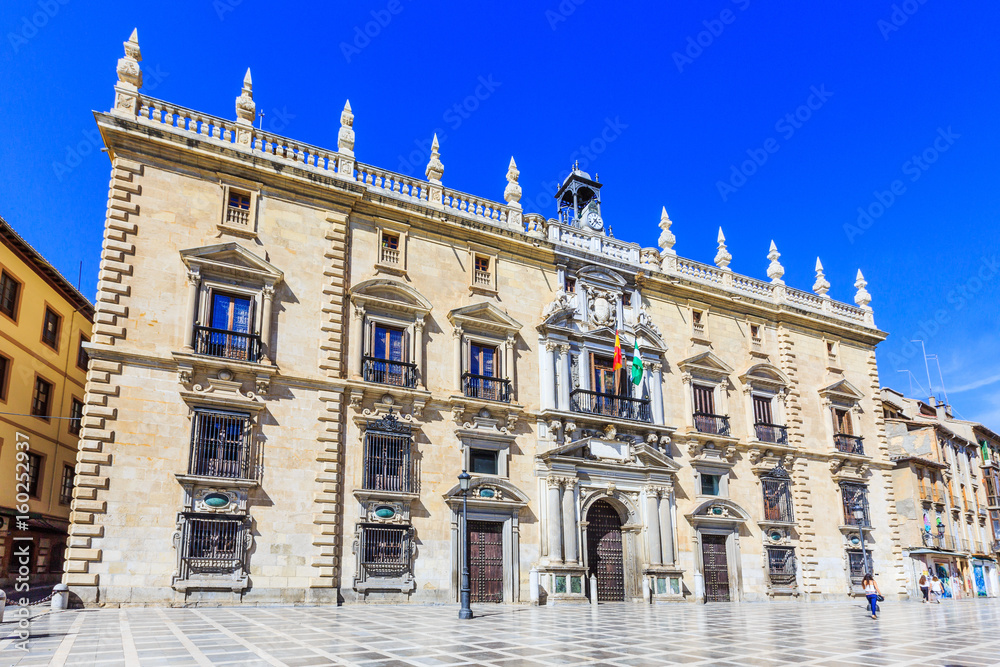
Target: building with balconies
(945,486)
(327,344)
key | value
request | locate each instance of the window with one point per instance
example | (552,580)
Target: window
(627,299)
(922,484)
(238,210)
(481,275)
(50,328)
(606,379)
(66,485)
(387,363)
(704,399)
(34,474)
(75,417)
(855,498)
(484,462)
(484,378)
(387,456)
(857,565)
(82,358)
(842,421)
(230,335)
(698,323)
(213,545)
(755,332)
(710,484)
(221,445)
(41,398)
(389,253)
(762,410)
(831,350)
(777,496)
(385,550)
(10,290)
(57,557)
(4,376)
(569,285)
(781,566)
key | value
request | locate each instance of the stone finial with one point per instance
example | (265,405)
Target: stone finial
(822,285)
(775,271)
(129,77)
(345,137)
(512,193)
(667,238)
(862,297)
(722,258)
(435,170)
(246,110)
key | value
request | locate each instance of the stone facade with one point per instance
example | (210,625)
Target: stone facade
(297,354)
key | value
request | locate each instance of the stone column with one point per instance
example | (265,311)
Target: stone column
(586,372)
(553,529)
(356,341)
(748,411)
(656,391)
(688,400)
(546,375)
(653,527)
(418,350)
(565,377)
(266,315)
(667,527)
(508,363)
(194,285)
(570,529)
(457,333)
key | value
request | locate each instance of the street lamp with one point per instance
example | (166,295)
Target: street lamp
(859,521)
(466,611)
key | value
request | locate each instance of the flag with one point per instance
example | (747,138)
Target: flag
(636,365)
(618,354)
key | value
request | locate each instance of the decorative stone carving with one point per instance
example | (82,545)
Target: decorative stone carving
(822,285)
(722,257)
(564,302)
(775,271)
(643,318)
(435,169)
(862,298)
(345,137)
(512,193)
(667,238)
(603,312)
(129,78)
(246,109)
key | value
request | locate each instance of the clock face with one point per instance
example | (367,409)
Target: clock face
(594,220)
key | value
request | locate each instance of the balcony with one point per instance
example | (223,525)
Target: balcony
(386,371)
(610,405)
(486,387)
(712,424)
(236,215)
(227,344)
(482,278)
(389,255)
(771,433)
(849,444)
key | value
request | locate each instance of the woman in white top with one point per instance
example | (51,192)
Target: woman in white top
(872,593)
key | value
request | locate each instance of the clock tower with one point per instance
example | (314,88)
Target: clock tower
(579,200)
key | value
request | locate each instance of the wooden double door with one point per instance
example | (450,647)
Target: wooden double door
(486,561)
(716,567)
(604,551)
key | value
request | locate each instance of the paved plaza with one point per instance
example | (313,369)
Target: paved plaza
(963,633)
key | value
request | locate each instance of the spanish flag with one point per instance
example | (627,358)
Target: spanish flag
(618,354)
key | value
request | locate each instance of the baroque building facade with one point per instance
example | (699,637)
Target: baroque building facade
(296,354)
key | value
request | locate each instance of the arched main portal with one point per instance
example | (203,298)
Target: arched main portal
(604,551)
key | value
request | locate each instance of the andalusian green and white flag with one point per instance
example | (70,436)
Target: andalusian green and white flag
(636,365)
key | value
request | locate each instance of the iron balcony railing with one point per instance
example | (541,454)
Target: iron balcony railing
(385,550)
(213,545)
(849,444)
(486,387)
(386,371)
(222,445)
(227,344)
(714,424)
(387,464)
(777,500)
(781,566)
(610,405)
(771,433)
(855,497)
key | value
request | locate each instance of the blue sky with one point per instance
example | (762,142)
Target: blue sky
(837,110)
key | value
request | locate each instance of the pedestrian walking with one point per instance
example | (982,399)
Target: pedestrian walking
(925,587)
(872,593)
(937,588)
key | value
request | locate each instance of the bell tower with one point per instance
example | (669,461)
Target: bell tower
(579,200)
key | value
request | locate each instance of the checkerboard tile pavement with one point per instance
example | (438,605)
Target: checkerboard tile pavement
(959,633)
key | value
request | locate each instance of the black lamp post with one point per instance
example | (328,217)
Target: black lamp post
(859,521)
(465,597)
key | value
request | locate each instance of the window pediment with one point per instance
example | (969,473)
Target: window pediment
(719,510)
(390,295)
(842,390)
(489,491)
(233,260)
(706,364)
(484,317)
(765,375)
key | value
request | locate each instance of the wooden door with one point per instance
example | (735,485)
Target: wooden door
(486,561)
(604,551)
(713,549)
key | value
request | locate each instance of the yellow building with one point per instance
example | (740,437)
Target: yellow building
(44,321)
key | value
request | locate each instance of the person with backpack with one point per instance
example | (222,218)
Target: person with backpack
(872,593)
(925,587)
